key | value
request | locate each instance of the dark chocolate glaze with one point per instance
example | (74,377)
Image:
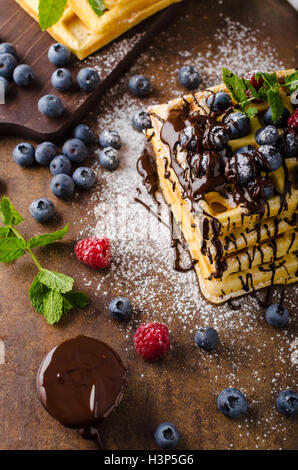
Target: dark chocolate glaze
(80,382)
(146,167)
(176,243)
(206,169)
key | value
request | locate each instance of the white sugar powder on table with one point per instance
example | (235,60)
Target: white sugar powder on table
(142,258)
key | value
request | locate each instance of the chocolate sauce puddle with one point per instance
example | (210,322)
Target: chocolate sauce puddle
(80,382)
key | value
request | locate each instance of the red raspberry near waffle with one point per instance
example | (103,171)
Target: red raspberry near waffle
(151,341)
(94,252)
(293,121)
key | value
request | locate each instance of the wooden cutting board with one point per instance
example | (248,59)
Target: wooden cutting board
(20,116)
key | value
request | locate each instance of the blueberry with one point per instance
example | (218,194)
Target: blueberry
(84,133)
(108,158)
(294,98)
(110,138)
(166,436)
(62,186)
(247,149)
(139,85)
(216,138)
(282,122)
(88,79)
(7,65)
(24,154)
(7,48)
(60,165)
(232,403)
(267,135)
(189,77)
(51,106)
(84,177)
(59,55)
(188,140)
(206,338)
(268,188)
(271,159)
(75,150)
(277,315)
(238,125)
(141,120)
(23,75)
(287,402)
(62,80)
(5,84)
(219,102)
(291,145)
(42,210)
(244,169)
(120,309)
(45,153)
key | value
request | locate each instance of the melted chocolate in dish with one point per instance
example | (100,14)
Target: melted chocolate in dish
(80,382)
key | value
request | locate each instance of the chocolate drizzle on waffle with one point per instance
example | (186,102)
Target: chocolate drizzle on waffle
(201,168)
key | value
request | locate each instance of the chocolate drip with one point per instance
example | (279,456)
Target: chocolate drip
(293,221)
(234,306)
(176,243)
(201,169)
(146,167)
(80,382)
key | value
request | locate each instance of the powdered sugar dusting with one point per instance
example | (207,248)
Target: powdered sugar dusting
(142,258)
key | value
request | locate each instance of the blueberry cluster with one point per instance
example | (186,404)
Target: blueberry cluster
(12,72)
(274,141)
(22,75)
(88,80)
(74,152)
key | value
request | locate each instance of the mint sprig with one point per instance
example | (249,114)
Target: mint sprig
(50,11)
(244,93)
(98,6)
(51,292)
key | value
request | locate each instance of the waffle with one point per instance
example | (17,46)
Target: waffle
(236,248)
(84,32)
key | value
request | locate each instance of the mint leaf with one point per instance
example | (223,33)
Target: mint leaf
(251,111)
(37,293)
(276,103)
(98,6)
(292,81)
(270,79)
(9,214)
(4,232)
(50,12)
(235,85)
(75,299)
(53,306)
(11,248)
(47,239)
(252,89)
(57,281)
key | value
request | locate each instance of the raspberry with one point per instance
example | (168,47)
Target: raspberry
(251,76)
(151,341)
(293,121)
(95,252)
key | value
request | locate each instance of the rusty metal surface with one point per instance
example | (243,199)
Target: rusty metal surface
(179,388)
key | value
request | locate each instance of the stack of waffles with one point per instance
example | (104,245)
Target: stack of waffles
(84,32)
(241,237)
